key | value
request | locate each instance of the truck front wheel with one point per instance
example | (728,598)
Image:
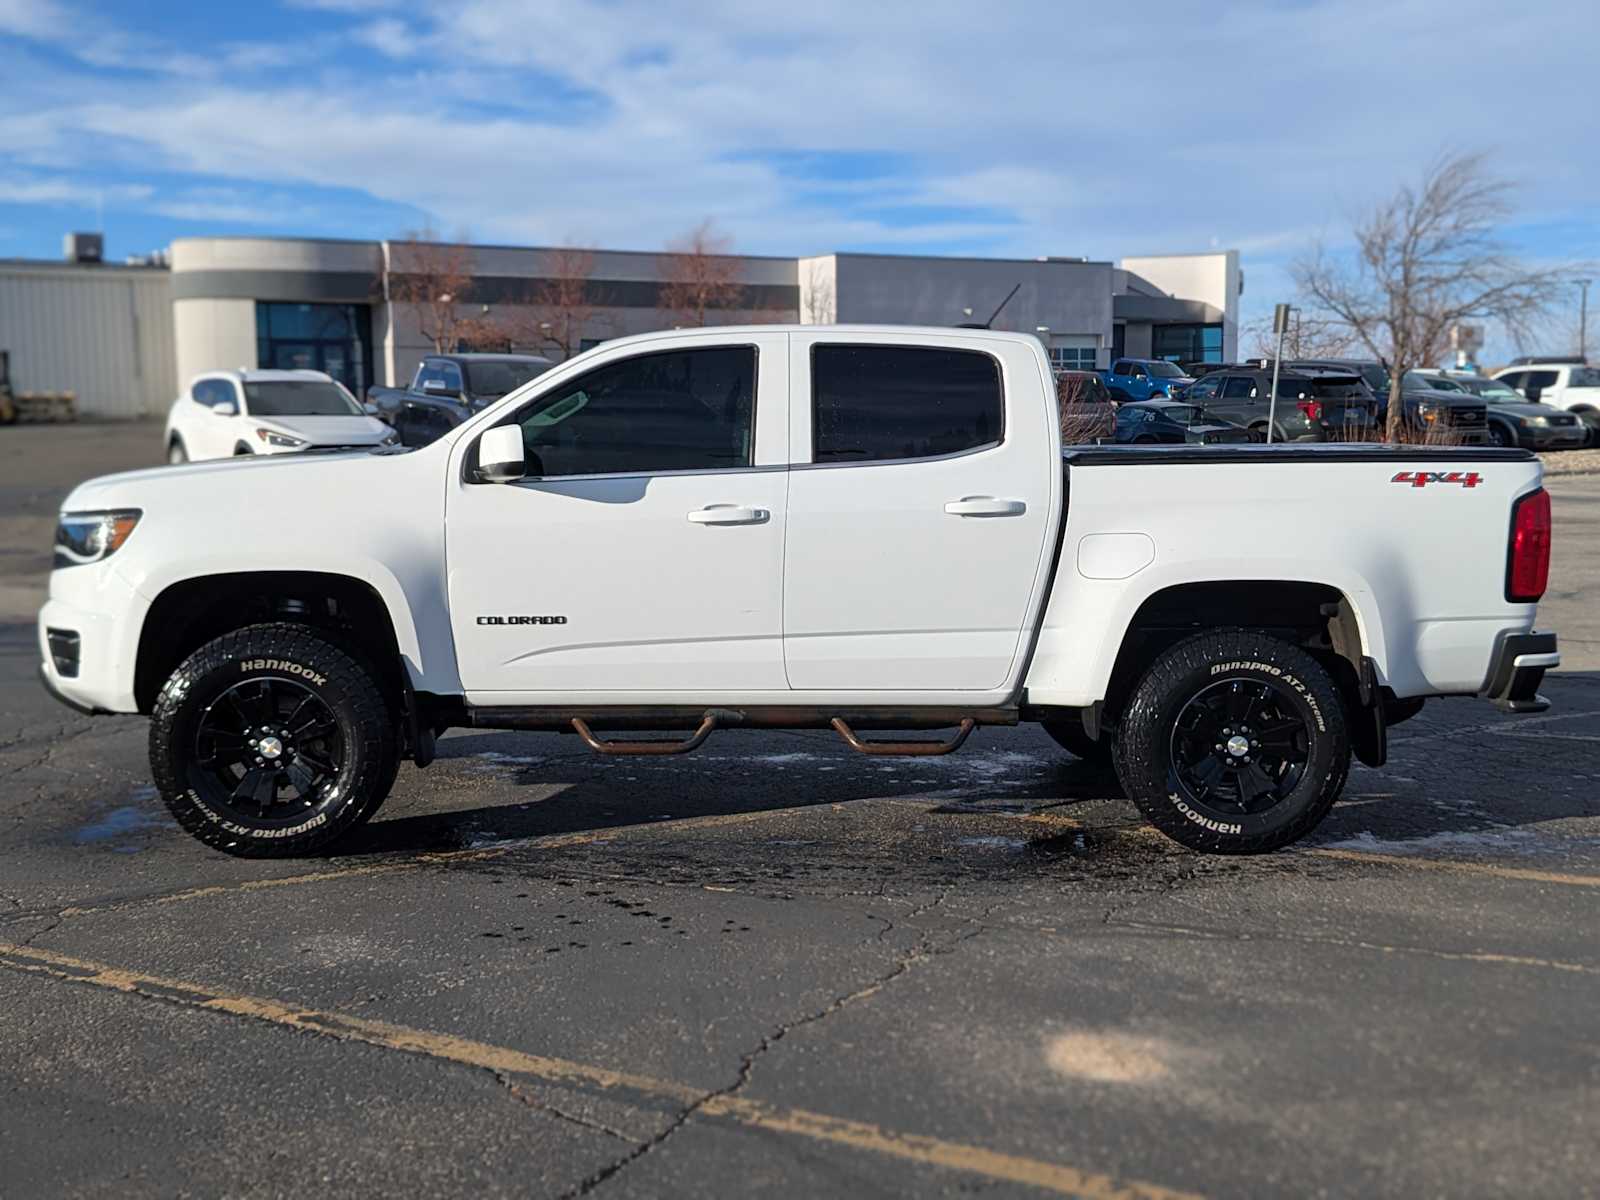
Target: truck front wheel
(271,741)
(1234,742)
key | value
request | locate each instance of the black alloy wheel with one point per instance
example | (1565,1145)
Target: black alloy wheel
(266,750)
(1239,746)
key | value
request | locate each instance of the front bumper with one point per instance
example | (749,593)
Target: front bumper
(1517,669)
(1567,437)
(88,639)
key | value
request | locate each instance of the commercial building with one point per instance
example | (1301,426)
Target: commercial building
(124,337)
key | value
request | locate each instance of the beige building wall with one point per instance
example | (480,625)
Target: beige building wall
(1214,278)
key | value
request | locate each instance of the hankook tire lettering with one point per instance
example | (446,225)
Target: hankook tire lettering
(279,664)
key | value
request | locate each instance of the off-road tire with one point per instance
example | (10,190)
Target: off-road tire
(314,663)
(1069,733)
(1143,749)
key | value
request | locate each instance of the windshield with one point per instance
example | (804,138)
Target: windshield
(1585,377)
(499,378)
(1437,382)
(1183,414)
(1498,393)
(1377,378)
(1164,370)
(300,398)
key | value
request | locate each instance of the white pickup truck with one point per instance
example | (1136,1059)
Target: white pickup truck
(861,528)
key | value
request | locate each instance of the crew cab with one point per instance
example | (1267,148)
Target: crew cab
(849,527)
(227,414)
(448,388)
(1145,379)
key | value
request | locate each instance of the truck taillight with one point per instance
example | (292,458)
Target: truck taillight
(1528,561)
(1311,410)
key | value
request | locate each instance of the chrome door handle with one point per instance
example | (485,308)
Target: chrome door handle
(985,506)
(728,514)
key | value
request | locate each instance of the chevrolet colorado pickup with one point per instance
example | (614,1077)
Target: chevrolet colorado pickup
(856,528)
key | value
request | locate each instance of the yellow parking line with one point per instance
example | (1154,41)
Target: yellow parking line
(798,1122)
(1471,868)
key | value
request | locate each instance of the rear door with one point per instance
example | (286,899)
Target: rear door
(641,559)
(925,486)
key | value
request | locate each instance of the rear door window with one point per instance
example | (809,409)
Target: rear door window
(1238,387)
(883,403)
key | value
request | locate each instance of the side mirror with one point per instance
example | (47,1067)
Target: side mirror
(226,409)
(1533,394)
(370,409)
(500,457)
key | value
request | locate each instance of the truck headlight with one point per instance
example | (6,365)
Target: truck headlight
(89,537)
(273,438)
(1539,421)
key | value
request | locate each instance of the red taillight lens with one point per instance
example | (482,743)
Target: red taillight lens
(1528,570)
(1311,410)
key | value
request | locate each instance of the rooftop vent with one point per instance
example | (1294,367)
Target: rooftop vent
(83,247)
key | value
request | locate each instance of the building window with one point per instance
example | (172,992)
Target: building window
(1072,358)
(1187,343)
(335,338)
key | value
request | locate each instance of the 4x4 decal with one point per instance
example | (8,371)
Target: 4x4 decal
(1469,479)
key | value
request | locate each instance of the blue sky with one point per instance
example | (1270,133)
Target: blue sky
(1014,128)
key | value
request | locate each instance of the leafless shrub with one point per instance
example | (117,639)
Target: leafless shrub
(1084,417)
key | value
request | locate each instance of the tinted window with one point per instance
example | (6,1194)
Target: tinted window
(1514,380)
(870,403)
(1238,387)
(438,372)
(1584,377)
(212,392)
(689,410)
(1204,387)
(1165,370)
(1338,389)
(1120,369)
(1135,370)
(1542,379)
(300,398)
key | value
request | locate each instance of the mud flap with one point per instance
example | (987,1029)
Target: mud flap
(1369,728)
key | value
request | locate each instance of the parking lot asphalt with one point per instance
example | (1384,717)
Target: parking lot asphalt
(777,966)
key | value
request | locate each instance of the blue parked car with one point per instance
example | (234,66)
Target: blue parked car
(1145,379)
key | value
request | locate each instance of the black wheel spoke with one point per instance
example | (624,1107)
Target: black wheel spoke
(1238,747)
(263,737)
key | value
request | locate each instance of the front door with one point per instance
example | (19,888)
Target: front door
(642,557)
(917,548)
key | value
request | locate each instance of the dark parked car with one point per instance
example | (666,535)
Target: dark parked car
(1088,412)
(1174,422)
(449,388)
(1314,404)
(1515,421)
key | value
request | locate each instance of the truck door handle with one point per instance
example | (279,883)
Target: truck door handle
(728,514)
(985,506)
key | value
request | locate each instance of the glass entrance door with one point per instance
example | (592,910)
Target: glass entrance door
(335,338)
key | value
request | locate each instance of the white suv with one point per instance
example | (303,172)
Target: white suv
(228,413)
(1572,386)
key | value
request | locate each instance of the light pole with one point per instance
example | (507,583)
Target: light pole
(1583,318)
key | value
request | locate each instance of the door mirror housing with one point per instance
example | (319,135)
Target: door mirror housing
(226,408)
(370,409)
(500,457)
(1532,393)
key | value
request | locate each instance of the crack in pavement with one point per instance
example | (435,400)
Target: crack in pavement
(925,948)
(548,1109)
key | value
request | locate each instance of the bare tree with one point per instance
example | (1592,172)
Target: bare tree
(563,305)
(1427,258)
(434,279)
(1309,336)
(697,276)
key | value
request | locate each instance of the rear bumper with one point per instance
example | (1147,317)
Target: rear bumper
(1517,669)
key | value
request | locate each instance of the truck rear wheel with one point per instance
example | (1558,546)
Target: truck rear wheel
(1234,742)
(271,742)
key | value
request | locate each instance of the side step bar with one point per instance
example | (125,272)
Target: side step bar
(703,723)
(916,749)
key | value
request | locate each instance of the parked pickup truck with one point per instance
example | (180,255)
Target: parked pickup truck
(855,528)
(448,388)
(1145,379)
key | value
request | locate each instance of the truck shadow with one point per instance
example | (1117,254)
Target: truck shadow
(1460,777)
